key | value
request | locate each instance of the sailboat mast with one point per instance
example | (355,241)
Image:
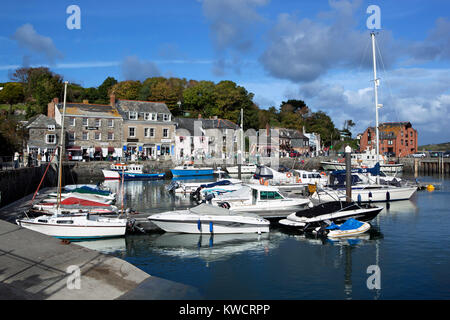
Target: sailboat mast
(61,147)
(376,83)
(242,136)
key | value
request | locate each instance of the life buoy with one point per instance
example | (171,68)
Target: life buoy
(261,180)
(288,174)
(323,173)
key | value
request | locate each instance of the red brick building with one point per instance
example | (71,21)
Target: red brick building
(395,137)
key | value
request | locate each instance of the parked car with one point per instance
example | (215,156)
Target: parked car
(436,154)
(419,155)
(447,154)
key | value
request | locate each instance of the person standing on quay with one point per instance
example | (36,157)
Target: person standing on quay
(16,160)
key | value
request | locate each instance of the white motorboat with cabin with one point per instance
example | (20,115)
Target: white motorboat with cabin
(258,198)
(206,218)
(246,169)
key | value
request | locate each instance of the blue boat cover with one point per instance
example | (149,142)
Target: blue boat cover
(351,224)
(218,183)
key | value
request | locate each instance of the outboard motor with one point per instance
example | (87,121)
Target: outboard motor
(209,197)
(172,186)
(196,195)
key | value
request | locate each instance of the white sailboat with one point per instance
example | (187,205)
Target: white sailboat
(73,227)
(376,191)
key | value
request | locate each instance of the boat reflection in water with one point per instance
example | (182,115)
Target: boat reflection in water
(211,248)
(106,246)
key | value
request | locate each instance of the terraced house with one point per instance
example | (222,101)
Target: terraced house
(93,131)
(148,128)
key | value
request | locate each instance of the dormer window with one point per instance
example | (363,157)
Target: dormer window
(132,115)
(166,117)
(146,116)
(51,127)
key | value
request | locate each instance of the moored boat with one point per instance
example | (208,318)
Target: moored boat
(210,219)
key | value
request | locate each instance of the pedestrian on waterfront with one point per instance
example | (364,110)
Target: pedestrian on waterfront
(39,158)
(16,160)
(46,155)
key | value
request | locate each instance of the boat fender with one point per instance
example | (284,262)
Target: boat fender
(388,196)
(210,227)
(225,205)
(199,225)
(261,181)
(359,198)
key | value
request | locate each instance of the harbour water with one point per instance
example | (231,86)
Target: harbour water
(409,243)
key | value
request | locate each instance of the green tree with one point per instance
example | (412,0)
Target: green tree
(127,90)
(104,89)
(11,93)
(200,98)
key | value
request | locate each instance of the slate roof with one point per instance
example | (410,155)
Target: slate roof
(187,124)
(89,110)
(219,124)
(41,121)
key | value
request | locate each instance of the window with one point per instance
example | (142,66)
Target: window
(50,138)
(110,136)
(110,123)
(149,132)
(72,121)
(411,134)
(51,127)
(165,150)
(132,115)
(153,116)
(98,122)
(85,121)
(131,131)
(85,135)
(166,117)
(97,136)
(270,195)
(146,116)
(165,133)
(71,135)
(149,116)
(390,142)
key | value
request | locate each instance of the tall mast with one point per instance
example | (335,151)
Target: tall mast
(242,136)
(61,147)
(376,83)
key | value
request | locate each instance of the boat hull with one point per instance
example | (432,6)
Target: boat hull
(78,232)
(191,172)
(208,226)
(368,195)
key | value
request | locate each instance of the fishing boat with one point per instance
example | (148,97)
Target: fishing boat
(189,170)
(209,219)
(74,227)
(333,211)
(258,198)
(246,169)
(130,172)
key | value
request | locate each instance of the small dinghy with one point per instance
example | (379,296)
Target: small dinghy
(349,228)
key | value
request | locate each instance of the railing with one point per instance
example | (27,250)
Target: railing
(8,163)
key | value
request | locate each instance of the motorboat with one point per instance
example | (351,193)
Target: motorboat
(224,181)
(206,218)
(246,169)
(130,172)
(325,213)
(258,198)
(366,159)
(80,227)
(311,177)
(189,170)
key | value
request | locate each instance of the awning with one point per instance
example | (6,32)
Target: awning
(98,149)
(74,148)
(110,149)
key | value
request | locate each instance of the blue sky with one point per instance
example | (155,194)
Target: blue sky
(317,51)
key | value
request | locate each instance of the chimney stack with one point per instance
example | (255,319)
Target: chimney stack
(267,129)
(112,99)
(51,108)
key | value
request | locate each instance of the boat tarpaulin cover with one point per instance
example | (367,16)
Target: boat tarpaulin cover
(218,183)
(83,202)
(86,189)
(351,224)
